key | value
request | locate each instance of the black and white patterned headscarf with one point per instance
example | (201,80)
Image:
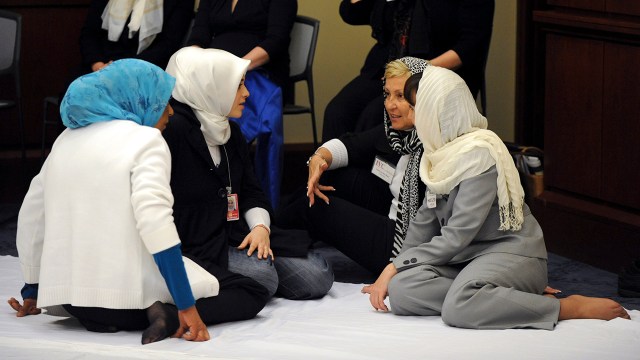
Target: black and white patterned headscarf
(406,144)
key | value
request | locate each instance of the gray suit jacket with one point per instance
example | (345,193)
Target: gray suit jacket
(464,225)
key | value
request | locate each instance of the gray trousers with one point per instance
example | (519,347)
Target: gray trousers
(493,291)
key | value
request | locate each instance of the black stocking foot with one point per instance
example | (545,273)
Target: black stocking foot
(163,322)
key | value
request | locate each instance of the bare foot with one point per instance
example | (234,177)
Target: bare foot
(583,307)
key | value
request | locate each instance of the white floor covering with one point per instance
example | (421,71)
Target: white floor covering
(342,325)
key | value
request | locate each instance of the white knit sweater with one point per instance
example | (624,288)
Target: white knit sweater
(95,214)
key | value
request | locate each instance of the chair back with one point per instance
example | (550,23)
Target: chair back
(10,25)
(302,48)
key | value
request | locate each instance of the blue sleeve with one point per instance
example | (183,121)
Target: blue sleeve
(29,291)
(171,267)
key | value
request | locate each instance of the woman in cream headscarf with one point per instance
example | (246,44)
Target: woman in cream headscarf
(474,253)
(221,212)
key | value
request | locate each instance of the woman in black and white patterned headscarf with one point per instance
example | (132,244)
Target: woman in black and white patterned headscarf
(375,187)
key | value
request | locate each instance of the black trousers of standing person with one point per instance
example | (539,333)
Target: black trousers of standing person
(355,221)
(357,107)
(239,298)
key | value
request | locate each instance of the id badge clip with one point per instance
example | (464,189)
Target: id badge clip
(431,200)
(233,210)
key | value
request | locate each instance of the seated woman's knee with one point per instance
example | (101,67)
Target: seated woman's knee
(260,270)
(399,297)
(304,278)
(459,309)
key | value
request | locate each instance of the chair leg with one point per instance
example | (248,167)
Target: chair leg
(483,95)
(44,130)
(314,127)
(21,129)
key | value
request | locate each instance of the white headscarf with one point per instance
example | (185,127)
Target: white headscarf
(452,130)
(207,80)
(146,18)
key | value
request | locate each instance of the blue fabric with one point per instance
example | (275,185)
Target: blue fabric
(262,121)
(171,267)
(29,291)
(128,89)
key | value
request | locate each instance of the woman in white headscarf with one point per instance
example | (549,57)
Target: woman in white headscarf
(221,212)
(474,253)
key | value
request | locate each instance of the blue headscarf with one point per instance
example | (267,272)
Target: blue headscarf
(128,89)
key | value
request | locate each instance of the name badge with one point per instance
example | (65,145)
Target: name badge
(233,212)
(383,169)
(431,200)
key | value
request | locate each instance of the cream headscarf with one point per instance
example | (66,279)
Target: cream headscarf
(207,80)
(452,131)
(146,17)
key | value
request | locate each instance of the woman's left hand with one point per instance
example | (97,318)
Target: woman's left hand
(258,239)
(379,290)
(30,307)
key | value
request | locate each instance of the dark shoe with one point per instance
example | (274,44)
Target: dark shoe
(629,280)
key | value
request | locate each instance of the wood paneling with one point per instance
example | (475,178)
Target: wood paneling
(573,109)
(582,69)
(621,130)
(629,7)
(589,232)
(50,32)
(598,5)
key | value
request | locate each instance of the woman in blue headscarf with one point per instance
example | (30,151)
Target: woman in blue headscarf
(96,236)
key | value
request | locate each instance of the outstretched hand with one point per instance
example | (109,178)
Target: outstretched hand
(317,166)
(30,307)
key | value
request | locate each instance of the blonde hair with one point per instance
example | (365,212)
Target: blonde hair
(396,68)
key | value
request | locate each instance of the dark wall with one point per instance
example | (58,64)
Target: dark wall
(50,32)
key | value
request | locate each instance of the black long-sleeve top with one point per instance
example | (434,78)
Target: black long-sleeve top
(199,187)
(437,26)
(264,23)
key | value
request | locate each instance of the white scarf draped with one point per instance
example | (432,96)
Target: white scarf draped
(146,18)
(207,80)
(454,135)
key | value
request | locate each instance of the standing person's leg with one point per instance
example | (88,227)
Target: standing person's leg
(501,291)
(343,111)
(303,278)
(260,270)
(421,290)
